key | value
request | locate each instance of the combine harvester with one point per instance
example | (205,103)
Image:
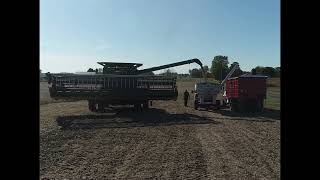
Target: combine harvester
(119,84)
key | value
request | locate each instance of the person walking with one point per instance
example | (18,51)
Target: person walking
(186,98)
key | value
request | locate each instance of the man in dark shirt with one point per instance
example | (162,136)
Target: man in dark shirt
(186,97)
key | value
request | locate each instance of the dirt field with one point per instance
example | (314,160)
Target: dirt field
(167,142)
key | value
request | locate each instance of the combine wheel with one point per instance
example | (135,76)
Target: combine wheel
(218,104)
(91,105)
(145,105)
(137,107)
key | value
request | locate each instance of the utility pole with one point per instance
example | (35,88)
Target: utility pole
(221,71)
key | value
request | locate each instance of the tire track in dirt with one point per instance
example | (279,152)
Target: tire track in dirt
(240,146)
(164,156)
(245,146)
(222,163)
(255,144)
(232,149)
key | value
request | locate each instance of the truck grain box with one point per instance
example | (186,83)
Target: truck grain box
(247,92)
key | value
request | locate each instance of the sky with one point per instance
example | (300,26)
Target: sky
(76,34)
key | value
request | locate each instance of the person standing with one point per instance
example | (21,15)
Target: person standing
(186,98)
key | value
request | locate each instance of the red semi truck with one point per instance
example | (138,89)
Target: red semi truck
(246,93)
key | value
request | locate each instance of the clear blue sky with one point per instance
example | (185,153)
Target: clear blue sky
(75,34)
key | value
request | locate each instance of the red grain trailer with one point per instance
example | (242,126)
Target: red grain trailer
(246,93)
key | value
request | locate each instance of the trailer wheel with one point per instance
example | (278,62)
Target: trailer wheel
(260,104)
(242,105)
(234,105)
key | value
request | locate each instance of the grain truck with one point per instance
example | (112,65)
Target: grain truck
(205,93)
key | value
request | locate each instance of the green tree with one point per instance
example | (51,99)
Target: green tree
(237,72)
(219,67)
(269,71)
(278,72)
(254,71)
(169,72)
(259,69)
(90,70)
(195,73)
(206,69)
(148,73)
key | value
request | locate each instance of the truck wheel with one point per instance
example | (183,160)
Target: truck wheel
(218,104)
(100,107)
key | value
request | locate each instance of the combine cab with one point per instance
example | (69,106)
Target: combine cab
(120,84)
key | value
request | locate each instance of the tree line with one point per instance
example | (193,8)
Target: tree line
(218,70)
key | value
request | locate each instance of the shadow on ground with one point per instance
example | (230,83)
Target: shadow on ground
(127,117)
(266,113)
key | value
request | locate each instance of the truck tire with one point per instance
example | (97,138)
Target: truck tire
(100,107)
(218,104)
(234,105)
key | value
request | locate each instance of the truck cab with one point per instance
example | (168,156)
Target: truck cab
(205,95)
